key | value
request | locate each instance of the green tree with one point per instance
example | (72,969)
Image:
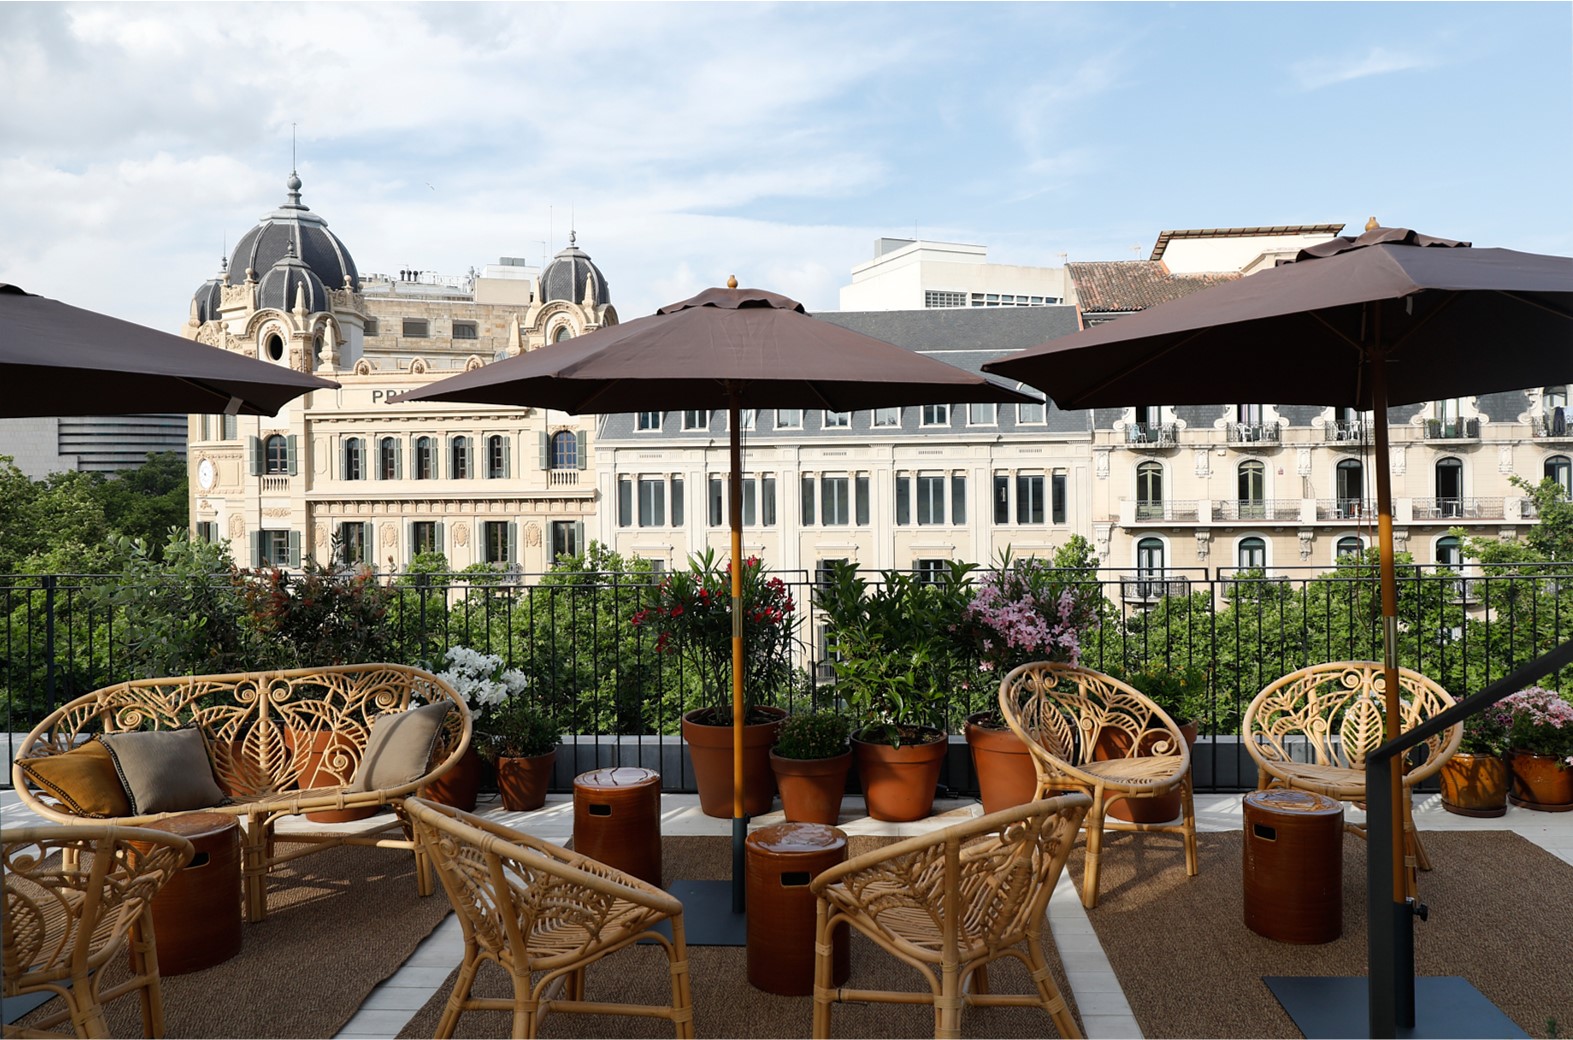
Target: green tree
(147,501)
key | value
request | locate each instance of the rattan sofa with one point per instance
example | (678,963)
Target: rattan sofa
(259,729)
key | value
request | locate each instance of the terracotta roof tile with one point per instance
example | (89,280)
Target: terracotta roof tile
(1120,286)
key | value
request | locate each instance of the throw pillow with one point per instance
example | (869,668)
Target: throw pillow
(164,770)
(82,779)
(399,747)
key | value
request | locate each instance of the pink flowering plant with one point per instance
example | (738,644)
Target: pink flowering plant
(691,618)
(1540,722)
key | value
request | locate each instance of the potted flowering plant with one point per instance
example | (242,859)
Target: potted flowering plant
(1540,749)
(691,618)
(1475,780)
(484,683)
(521,739)
(811,760)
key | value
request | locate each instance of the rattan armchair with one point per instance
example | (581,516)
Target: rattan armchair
(75,896)
(1312,730)
(542,914)
(949,904)
(1089,732)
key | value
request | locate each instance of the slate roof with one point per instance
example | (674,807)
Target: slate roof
(1122,286)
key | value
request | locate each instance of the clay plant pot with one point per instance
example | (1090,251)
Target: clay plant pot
(1112,744)
(522,782)
(1474,785)
(1006,775)
(710,750)
(811,788)
(461,785)
(316,746)
(899,784)
(1540,782)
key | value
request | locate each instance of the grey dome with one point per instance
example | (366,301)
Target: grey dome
(569,272)
(279,285)
(294,227)
(209,295)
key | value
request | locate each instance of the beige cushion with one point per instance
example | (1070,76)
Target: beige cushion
(164,770)
(399,747)
(82,779)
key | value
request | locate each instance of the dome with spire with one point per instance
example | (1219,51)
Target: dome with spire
(570,273)
(283,283)
(210,294)
(293,230)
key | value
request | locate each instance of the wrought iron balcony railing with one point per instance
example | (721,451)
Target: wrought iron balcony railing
(1452,429)
(1151,435)
(1253,434)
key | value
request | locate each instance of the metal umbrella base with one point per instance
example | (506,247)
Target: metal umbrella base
(1336,1006)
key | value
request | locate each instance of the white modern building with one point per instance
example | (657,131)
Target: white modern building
(908,274)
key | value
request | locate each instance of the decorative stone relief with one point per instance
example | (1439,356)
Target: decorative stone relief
(1203,461)
(1400,540)
(532,534)
(1100,463)
(363,367)
(1397,454)
(1505,459)
(322,540)
(1100,534)
(1302,461)
(461,533)
(418,366)
(276,511)
(473,362)
(1307,540)
(237,527)
(1204,540)
(387,534)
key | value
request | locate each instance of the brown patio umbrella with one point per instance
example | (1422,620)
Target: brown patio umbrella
(1391,317)
(56,359)
(725,348)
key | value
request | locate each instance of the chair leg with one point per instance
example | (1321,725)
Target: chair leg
(1053,999)
(947,1006)
(682,983)
(460,994)
(425,884)
(256,842)
(144,965)
(1188,806)
(1094,829)
(823,954)
(526,1010)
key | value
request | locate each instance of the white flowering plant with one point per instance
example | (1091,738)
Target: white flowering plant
(481,681)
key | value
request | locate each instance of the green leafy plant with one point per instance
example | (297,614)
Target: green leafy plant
(518,728)
(1486,732)
(816,734)
(319,616)
(1180,690)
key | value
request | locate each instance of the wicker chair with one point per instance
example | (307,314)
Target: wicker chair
(1333,714)
(75,896)
(950,903)
(533,908)
(1090,732)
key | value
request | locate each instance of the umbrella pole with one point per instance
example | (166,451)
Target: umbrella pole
(735,511)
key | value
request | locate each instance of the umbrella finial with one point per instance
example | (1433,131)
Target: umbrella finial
(731,281)
(1371,224)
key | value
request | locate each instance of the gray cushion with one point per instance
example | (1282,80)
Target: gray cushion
(165,770)
(399,747)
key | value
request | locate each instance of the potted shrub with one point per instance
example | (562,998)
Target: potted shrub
(484,683)
(521,739)
(1540,749)
(810,760)
(1181,691)
(691,617)
(895,660)
(1021,611)
(1475,780)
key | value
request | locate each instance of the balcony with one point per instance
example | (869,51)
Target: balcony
(1452,429)
(1276,510)
(1554,426)
(1145,589)
(1345,509)
(1252,435)
(1151,435)
(1344,430)
(562,478)
(1458,509)
(275,484)
(1159,512)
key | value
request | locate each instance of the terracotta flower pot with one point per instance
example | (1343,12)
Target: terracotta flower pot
(1541,782)
(1474,785)
(811,788)
(1006,775)
(710,750)
(899,784)
(1143,810)
(460,785)
(522,782)
(327,764)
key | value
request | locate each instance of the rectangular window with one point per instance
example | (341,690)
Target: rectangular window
(750,516)
(1057,496)
(370,328)
(423,535)
(941,298)
(936,415)
(789,418)
(717,503)
(274,548)
(1029,413)
(1001,498)
(928,572)
(767,503)
(459,464)
(887,417)
(207,531)
(496,457)
(808,500)
(931,499)
(567,538)
(696,420)
(677,501)
(652,502)
(466,330)
(647,421)
(352,542)
(981,415)
(747,417)
(625,502)
(415,328)
(354,459)
(837,420)
(903,500)
(958,499)
(860,493)
(835,504)
(1029,498)
(495,533)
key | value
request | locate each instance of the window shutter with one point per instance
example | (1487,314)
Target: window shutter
(409,539)
(507,457)
(398,460)
(437,538)
(294,548)
(581,442)
(256,546)
(677,501)
(808,501)
(231,427)
(578,538)
(513,542)
(368,551)
(958,499)
(256,457)
(290,456)
(546,452)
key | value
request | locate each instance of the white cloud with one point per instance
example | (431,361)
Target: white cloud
(1315,73)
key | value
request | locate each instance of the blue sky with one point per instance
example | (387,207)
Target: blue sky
(775,142)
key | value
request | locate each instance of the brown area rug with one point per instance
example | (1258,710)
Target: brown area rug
(339,922)
(1501,917)
(725,1005)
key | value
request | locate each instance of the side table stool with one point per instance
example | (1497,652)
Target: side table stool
(617,819)
(1294,866)
(197,915)
(781,860)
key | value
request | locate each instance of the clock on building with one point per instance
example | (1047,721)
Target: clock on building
(205,473)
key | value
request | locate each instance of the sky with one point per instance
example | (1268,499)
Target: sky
(688,142)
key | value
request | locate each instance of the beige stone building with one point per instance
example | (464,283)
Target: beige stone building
(346,474)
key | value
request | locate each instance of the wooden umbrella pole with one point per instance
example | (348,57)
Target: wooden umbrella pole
(735,511)
(1389,579)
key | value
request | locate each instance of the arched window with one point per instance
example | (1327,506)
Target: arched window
(496,456)
(1253,490)
(354,459)
(1449,553)
(459,462)
(1560,469)
(1149,491)
(1349,487)
(1449,487)
(1149,567)
(1253,554)
(425,458)
(1349,545)
(388,459)
(275,455)
(564,452)
(563,332)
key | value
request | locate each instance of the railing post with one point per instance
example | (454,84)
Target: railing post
(49,640)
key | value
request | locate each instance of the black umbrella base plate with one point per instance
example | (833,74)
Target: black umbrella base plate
(708,919)
(1336,1006)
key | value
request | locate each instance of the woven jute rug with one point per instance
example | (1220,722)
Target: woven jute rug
(725,1005)
(1501,916)
(339,922)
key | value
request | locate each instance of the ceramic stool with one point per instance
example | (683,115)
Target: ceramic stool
(617,819)
(197,915)
(781,860)
(1294,866)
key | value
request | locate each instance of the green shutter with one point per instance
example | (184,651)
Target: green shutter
(507,456)
(368,551)
(436,542)
(290,447)
(256,457)
(256,547)
(513,542)
(398,459)
(581,448)
(294,548)
(546,452)
(578,538)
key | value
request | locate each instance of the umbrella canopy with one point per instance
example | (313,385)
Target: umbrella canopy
(56,359)
(1391,317)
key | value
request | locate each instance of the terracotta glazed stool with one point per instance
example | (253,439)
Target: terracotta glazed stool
(1294,866)
(617,819)
(196,917)
(781,860)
